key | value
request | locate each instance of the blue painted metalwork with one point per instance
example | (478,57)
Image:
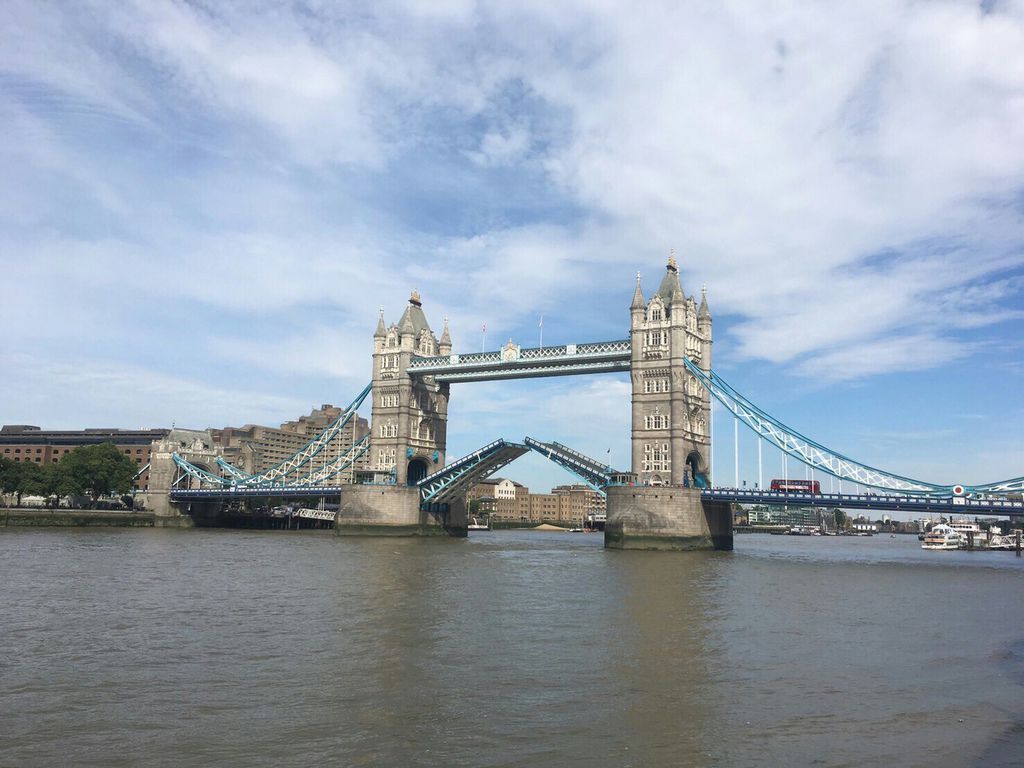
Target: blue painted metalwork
(446,485)
(284,492)
(803,448)
(277,475)
(338,464)
(513,362)
(881,502)
(1016,485)
(232,470)
(200,474)
(831,462)
(590,471)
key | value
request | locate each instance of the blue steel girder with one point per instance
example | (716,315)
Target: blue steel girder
(881,502)
(803,448)
(512,362)
(447,484)
(232,470)
(279,473)
(199,473)
(1016,485)
(590,471)
(339,464)
(831,462)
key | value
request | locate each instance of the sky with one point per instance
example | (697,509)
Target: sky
(203,205)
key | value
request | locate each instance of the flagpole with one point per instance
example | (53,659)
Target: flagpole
(483,341)
(542,331)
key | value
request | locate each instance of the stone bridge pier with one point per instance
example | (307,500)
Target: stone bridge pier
(196,446)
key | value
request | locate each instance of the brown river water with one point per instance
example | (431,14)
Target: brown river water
(252,648)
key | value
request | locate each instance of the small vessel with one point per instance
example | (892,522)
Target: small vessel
(577,530)
(941,537)
(476,525)
(801,530)
(970,533)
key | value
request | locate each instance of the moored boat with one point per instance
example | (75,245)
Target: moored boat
(941,537)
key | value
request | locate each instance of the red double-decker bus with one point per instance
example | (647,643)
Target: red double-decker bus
(796,486)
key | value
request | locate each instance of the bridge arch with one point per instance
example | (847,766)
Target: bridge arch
(416,470)
(698,469)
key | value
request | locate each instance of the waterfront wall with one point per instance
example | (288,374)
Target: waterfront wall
(64,518)
(376,510)
(665,517)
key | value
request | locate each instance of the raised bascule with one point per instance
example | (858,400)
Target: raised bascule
(666,500)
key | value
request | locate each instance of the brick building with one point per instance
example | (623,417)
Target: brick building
(24,442)
(505,500)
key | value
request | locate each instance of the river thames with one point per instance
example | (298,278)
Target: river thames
(240,648)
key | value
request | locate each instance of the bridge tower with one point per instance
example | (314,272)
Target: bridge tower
(410,414)
(671,435)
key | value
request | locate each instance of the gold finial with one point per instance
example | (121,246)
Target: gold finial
(672,260)
(638,277)
(704,290)
(414,298)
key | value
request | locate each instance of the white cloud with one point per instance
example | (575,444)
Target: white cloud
(502,147)
(242,186)
(114,393)
(873,358)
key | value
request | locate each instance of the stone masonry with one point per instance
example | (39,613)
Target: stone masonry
(671,436)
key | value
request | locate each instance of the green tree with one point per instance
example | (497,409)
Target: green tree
(840,518)
(22,478)
(96,470)
(33,480)
(9,474)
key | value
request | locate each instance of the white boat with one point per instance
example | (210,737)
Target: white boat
(476,525)
(941,537)
(970,532)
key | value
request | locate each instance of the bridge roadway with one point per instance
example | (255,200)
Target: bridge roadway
(955,505)
(896,503)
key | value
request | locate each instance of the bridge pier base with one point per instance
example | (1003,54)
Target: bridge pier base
(381,510)
(665,517)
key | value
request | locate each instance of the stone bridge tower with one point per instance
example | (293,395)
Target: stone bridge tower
(671,434)
(410,414)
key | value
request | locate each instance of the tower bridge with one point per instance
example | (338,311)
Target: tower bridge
(666,499)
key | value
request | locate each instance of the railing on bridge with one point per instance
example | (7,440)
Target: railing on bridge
(513,362)
(448,484)
(882,502)
(589,470)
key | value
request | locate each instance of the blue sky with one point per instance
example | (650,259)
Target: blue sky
(203,205)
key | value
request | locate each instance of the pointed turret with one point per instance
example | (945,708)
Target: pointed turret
(638,296)
(703,313)
(380,333)
(413,316)
(407,330)
(445,344)
(670,282)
